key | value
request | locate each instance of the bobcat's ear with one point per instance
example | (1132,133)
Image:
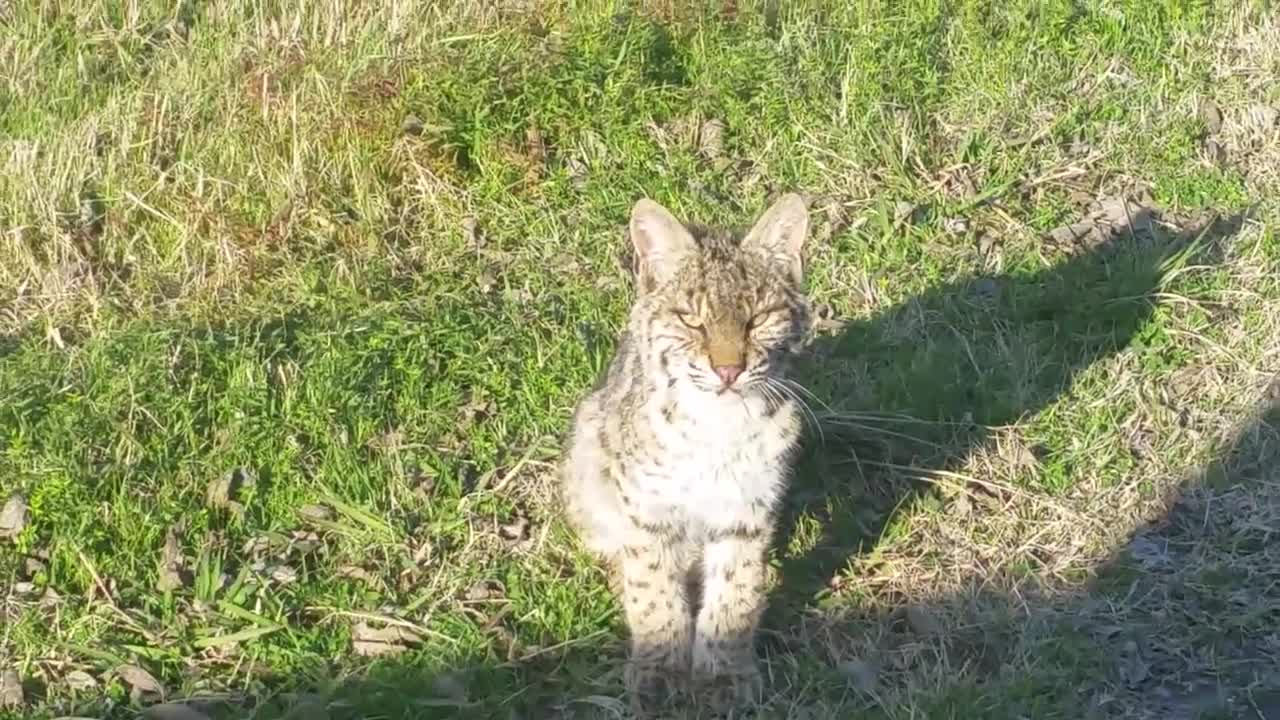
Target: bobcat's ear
(661,241)
(780,233)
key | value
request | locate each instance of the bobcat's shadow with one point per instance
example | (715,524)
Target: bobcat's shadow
(917,388)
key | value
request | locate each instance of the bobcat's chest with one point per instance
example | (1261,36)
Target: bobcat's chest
(723,465)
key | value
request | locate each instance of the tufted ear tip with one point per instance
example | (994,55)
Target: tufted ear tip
(780,233)
(660,240)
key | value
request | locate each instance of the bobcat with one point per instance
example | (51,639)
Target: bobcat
(678,459)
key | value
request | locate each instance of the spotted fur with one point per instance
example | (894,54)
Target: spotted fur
(679,457)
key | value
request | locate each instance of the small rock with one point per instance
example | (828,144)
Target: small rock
(956,226)
(11,695)
(13,518)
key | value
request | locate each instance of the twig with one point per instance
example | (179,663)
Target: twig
(387,619)
(111,603)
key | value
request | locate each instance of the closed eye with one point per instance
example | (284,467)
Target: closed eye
(759,318)
(689,318)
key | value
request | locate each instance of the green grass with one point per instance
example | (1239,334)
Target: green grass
(222,254)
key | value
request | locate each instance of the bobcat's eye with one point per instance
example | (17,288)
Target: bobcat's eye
(689,319)
(762,317)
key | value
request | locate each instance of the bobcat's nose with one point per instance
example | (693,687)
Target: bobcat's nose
(728,373)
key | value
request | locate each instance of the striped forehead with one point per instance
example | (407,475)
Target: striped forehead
(723,280)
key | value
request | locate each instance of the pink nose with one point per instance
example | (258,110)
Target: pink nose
(728,373)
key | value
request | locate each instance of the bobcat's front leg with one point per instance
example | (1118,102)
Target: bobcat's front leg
(732,603)
(658,616)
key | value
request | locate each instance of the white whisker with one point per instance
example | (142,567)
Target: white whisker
(805,410)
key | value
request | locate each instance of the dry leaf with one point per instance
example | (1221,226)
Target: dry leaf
(283,574)
(1215,152)
(314,511)
(355,572)
(411,125)
(535,145)
(140,681)
(11,696)
(374,642)
(485,590)
(1135,670)
(449,685)
(308,706)
(711,139)
(33,566)
(1211,116)
(424,482)
(226,492)
(1019,457)
(1150,553)
(303,542)
(471,233)
(1260,117)
(173,711)
(1107,218)
(79,680)
(13,518)
(1273,389)
(171,563)
(961,506)
(516,530)
(921,621)
(903,212)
